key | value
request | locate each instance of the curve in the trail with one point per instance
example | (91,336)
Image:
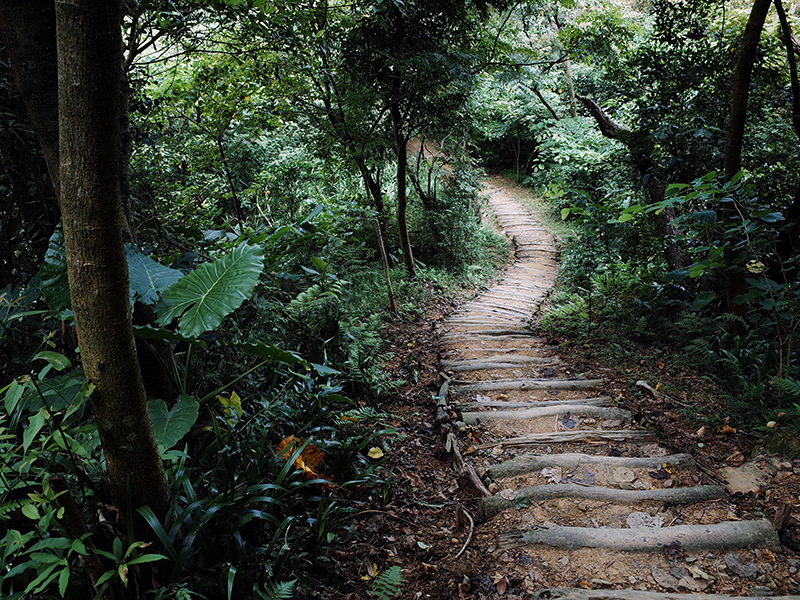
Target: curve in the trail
(576,496)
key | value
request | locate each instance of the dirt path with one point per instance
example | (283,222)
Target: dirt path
(577,495)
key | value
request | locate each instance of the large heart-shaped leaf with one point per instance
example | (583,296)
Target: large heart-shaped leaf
(148,277)
(169,426)
(211,292)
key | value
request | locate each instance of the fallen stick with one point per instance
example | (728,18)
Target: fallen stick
(469,536)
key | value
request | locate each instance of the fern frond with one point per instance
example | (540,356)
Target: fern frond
(278,591)
(387,585)
(788,386)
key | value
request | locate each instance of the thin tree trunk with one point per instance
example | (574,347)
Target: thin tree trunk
(402,192)
(735,284)
(385,260)
(638,146)
(89,58)
(28,31)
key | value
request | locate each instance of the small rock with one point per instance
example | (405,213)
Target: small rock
(632,579)
(624,475)
(736,564)
(761,590)
(498,450)
(494,488)
(508,494)
(564,561)
(641,520)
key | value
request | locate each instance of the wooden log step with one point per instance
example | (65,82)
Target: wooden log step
(627,594)
(728,535)
(483,365)
(528,463)
(494,505)
(588,410)
(599,401)
(495,362)
(530,384)
(563,437)
(512,333)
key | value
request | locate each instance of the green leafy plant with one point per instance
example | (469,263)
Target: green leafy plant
(387,584)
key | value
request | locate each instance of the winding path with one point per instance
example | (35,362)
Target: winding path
(576,496)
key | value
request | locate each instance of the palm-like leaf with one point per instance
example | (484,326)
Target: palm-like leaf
(211,292)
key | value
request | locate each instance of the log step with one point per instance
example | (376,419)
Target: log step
(530,384)
(562,437)
(728,535)
(588,410)
(599,401)
(528,463)
(494,505)
(627,594)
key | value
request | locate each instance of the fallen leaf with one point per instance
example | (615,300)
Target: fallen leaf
(736,564)
(726,429)
(375,452)
(585,584)
(501,585)
(470,450)
(736,459)
(701,432)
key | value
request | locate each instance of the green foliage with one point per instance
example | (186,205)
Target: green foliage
(387,584)
(170,425)
(201,299)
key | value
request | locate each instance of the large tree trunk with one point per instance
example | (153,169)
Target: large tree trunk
(89,58)
(639,147)
(735,284)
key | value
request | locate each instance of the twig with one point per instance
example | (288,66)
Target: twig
(476,481)
(381,512)
(469,536)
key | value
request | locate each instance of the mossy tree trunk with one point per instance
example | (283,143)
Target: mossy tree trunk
(89,61)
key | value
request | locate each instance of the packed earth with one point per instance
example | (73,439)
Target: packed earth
(525,468)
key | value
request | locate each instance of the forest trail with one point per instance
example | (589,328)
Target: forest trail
(576,495)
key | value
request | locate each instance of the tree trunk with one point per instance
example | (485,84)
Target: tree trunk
(89,59)
(638,146)
(28,29)
(402,192)
(735,284)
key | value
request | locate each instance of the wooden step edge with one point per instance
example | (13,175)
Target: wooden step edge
(561,437)
(488,366)
(629,594)
(719,537)
(530,384)
(494,505)
(524,414)
(528,463)
(598,401)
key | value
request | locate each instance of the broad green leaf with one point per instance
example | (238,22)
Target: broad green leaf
(30,511)
(148,278)
(204,297)
(35,424)
(56,360)
(146,332)
(55,286)
(169,426)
